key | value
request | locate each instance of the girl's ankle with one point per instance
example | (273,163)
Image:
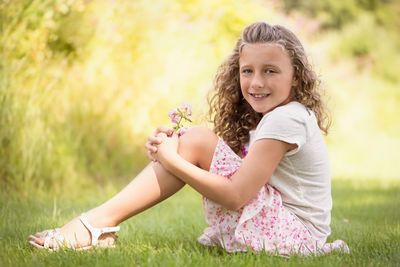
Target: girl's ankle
(98,220)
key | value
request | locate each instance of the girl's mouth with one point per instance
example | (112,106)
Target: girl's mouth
(259,96)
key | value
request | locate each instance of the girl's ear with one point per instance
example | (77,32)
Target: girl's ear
(295,82)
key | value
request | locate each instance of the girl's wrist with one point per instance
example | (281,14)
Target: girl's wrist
(172,162)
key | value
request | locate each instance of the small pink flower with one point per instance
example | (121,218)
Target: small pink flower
(186,109)
(178,114)
(174,116)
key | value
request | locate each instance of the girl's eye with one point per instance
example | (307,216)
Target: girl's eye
(269,71)
(246,71)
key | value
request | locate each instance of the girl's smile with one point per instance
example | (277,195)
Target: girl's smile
(266,76)
(260,96)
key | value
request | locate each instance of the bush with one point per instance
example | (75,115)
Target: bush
(83,82)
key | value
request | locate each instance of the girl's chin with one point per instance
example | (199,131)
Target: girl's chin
(262,110)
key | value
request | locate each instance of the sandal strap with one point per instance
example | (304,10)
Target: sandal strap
(57,240)
(96,232)
(49,235)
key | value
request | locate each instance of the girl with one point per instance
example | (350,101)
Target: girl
(263,172)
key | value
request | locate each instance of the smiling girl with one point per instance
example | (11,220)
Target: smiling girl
(263,172)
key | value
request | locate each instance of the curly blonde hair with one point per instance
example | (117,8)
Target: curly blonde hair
(233,117)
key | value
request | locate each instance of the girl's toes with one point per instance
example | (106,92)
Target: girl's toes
(35,244)
(38,241)
(42,234)
(37,235)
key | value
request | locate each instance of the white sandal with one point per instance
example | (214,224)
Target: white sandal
(54,237)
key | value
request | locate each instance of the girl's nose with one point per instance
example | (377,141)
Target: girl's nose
(257,82)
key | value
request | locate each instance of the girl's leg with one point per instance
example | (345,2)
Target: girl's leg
(149,187)
(154,184)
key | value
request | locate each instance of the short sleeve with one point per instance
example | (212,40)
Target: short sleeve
(284,125)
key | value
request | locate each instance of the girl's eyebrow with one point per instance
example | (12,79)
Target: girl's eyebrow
(264,65)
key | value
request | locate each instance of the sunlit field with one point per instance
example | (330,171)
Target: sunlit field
(365,215)
(82,84)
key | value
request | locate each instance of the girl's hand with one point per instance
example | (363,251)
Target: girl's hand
(167,149)
(153,140)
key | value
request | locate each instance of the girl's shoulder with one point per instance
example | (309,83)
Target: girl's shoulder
(293,107)
(291,123)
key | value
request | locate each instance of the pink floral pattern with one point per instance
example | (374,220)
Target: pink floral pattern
(264,224)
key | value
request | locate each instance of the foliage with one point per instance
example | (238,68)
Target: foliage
(52,127)
(82,83)
(362,40)
(361,26)
(336,14)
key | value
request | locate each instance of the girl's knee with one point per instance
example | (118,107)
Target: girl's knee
(198,136)
(197,145)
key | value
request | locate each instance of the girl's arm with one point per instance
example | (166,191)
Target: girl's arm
(259,164)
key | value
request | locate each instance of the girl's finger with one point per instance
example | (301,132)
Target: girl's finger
(161,136)
(150,147)
(153,157)
(149,156)
(153,139)
(164,129)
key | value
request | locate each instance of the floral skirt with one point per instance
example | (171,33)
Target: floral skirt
(263,224)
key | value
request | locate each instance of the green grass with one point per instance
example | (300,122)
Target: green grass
(365,214)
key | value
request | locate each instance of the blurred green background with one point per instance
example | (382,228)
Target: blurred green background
(82,83)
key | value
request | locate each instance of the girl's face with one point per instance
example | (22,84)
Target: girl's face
(266,76)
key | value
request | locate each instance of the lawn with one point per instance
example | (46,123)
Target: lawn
(365,214)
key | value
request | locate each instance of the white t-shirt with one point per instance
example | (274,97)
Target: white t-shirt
(303,176)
